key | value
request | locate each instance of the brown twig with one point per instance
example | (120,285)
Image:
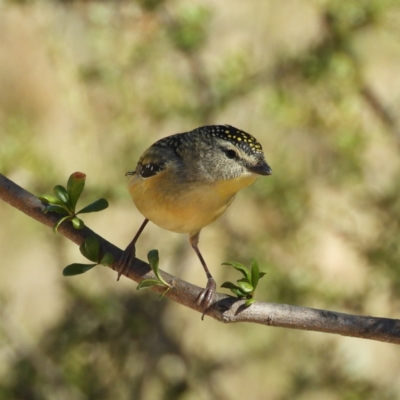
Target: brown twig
(226,308)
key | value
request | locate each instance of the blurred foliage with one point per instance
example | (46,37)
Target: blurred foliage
(188,30)
(130,73)
(384,255)
(121,347)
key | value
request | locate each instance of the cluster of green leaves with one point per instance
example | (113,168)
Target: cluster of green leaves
(64,203)
(65,199)
(90,249)
(244,289)
(247,285)
(154,261)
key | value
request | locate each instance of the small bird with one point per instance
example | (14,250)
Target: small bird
(184,182)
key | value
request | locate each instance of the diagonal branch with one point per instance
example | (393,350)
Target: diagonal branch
(226,308)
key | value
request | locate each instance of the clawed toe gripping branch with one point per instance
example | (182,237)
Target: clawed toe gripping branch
(58,212)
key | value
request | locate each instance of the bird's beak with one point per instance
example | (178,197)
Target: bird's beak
(261,168)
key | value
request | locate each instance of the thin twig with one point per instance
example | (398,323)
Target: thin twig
(226,308)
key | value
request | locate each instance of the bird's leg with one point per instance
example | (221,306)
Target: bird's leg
(207,295)
(129,253)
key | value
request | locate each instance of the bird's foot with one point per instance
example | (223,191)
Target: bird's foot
(124,262)
(206,296)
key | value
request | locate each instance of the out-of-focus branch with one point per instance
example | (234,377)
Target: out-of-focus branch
(381,111)
(226,308)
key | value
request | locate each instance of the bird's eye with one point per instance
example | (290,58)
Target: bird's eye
(230,153)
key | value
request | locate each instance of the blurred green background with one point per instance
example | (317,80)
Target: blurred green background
(87,86)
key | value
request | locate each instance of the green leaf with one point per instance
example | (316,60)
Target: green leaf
(107,259)
(250,301)
(238,293)
(245,287)
(75,186)
(147,283)
(55,208)
(77,269)
(241,268)
(152,256)
(234,289)
(62,195)
(229,285)
(83,251)
(49,199)
(154,260)
(96,206)
(60,221)
(77,223)
(262,274)
(255,273)
(90,248)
